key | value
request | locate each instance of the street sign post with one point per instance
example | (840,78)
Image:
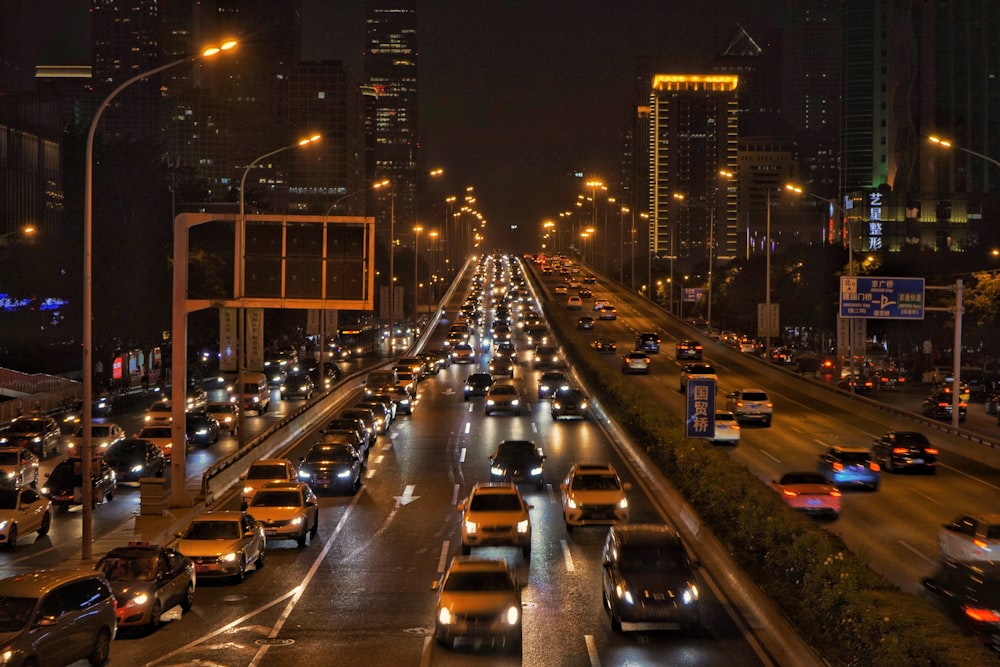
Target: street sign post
(882,298)
(700,417)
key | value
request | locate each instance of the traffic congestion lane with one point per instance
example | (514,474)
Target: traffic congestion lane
(897,525)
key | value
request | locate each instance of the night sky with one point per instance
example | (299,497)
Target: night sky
(515,95)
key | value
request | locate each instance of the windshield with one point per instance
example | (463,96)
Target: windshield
(495,502)
(329,455)
(213,530)
(754,396)
(8,499)
(135,569)
(15,612)
(595,483)
(270,471)
(516,449)
(478,581)
(25,426)
(277,499)
(651,558)
(9,458)
(505,390)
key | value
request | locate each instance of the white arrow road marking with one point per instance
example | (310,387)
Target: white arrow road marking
(407,496)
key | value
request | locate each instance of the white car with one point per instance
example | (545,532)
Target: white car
(102,436)
(727,428)
(23,511)
(574,303)
(971,538)
(18,467)
(635,362)
(751,405)
(592,493)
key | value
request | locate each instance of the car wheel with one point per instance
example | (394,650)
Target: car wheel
(102,648)
(259,563)
(526,552)
(466,550)
(315,529)
(155,616)
(767,422)
(12,537)
(46,522)
(569,528)
(241,574)
(111,494)
(616,623)
(188,600)
(301,539)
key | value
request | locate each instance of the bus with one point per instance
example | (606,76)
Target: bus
(362,340)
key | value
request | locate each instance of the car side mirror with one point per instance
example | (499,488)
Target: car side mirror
(530,507)
(627,486)
(564,487)
(606,564)
(460,506)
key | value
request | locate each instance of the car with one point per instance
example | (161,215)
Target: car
(604,345)
(593,494)
(648,577)
(381,410)
(202,429)
(23,511)
(751,405)
(970,538)
(57,617)
(569,402)
(698,371)
(148,580)
(608,312)
(135,458)
(599,303)
(64,485)
(264,471)
(970,595)
(939,405)
(546,356)
(858,384)
(287,510)
(849,466)
(387,404)
(160,412)
(537,334)
(589,280)
(18,467)
(332,466)
(506,349)
(562,289)
(223,544)
(648,342)
(414,364)
(406,379)
(503,398)
(810,493)
(518,461)
(905,450)
(463,354)
(585,323)
(297,384)
(502,332)
(727,428)
(227,414)
(39,435)
(585,293)
(477,384)
(162,435)
(441,356)
(688,349)
(635,362)
(102,435)
(322,381)
(478,600)
(430,366)
(495,515)
(574,303)
(400,396)
(549,382)
(196,399)
(501,366)
(367,419)
(337,429)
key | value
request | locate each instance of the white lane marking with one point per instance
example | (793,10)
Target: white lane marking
(770,456)
(551,491)
(294,594)
(461,455)
(454,495)
(370,473)
(595,660)
(534,427)
(425,654)
(972,477)
(470,407)
(387,446)
(443,558)
(468,425)
(928,497)
(567,556)
(378,459)
(822,444)
(929,561)
(407,496)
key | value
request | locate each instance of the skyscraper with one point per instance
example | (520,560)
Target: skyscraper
(692,134)
(391,70)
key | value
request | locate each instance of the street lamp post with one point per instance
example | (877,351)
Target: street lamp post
(416,280)
(621,243)
(336,201)
(711,251)
(86,417)
(594,185)
(944,143)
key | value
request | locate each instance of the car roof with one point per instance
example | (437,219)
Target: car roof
(271,462)
(282,486)
(135,550)
(848,450)
(496,489)
(592,469)
(645,533)
(219,515)
(477,564)
(38,583)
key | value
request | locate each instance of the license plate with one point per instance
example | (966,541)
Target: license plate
(207,568)
(917,462)
(814,502)
(270,531)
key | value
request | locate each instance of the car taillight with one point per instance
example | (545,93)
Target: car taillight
(931,450)
(874,466)
(836,493)
(981,544)
(837,466)
(790,493)
(900,450)
(982,615)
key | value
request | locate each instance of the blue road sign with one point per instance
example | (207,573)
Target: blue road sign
(882,298)
(693,294)
(701,409)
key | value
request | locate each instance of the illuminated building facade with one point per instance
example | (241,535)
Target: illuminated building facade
(693,125)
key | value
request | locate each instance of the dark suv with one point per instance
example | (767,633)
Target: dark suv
(39,435)
(518,461)
(970,594)
(905,450)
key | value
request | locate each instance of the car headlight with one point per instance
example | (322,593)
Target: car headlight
(303,474)
(140,600)
(556,405)
(489,401)
(523,526)
(444,616)
(570,503)
(536,471)
(496,470)
(297,521)
(45,491)
(512,615)
(228,558)
(3,526)
(471,527)
(344,474)
(543,387)
(201,431)
(583,405)
(515,402)
(623,504)
(690,594)
(623,593)
(137,468)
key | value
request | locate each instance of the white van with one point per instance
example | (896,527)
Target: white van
(256,393)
